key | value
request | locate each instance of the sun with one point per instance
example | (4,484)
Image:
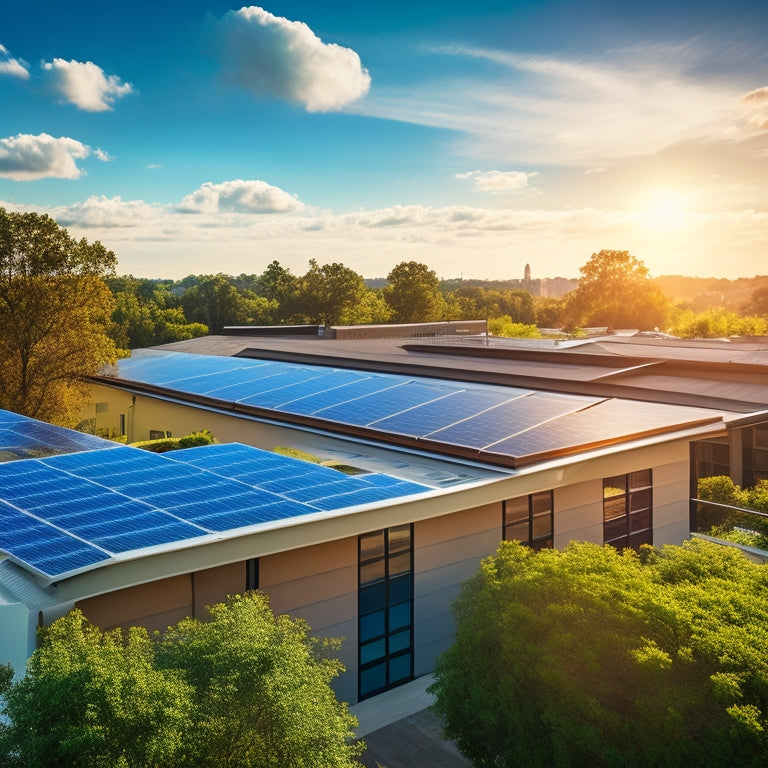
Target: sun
(665,211)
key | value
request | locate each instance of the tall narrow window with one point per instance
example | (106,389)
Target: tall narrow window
(529,519)
(385,609)
(628,509)
(252,574)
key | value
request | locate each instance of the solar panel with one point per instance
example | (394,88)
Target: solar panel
(287,394)
(501,421)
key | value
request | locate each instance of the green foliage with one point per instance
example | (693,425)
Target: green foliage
(331,294)
(246,689)
(615,291)
(296,453)
(733,525)
(413,293)
(717,323)
(54,308)
(506,326)
(591,657)
(164,444)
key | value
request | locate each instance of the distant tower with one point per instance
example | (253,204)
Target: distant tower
(527,274)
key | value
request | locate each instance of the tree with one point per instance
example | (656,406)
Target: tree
(588,656)
(331,294)
(413,293)
(246,689)
(616,291)
(54,315)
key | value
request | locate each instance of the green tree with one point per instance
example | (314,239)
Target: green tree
(588,656)
(331,294)
(54,315)
(246,689)
(413,293)
(616,291)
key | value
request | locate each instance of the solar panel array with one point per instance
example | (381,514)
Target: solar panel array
(22,437)
(63,514)
(508,425)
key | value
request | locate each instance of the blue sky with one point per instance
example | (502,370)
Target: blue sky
(203,136)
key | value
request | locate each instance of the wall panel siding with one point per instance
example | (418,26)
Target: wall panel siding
(156,605)
(214,585)
(579,513)
(447,551)
(671,494)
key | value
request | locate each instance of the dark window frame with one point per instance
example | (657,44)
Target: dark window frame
(628,509)
(251,573)
(385,611)
(529,518)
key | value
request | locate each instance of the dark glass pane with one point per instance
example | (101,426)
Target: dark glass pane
(620,543)
(518,532)
(373,679)
(400,589)
(641,479)
(400,616)
(516,509)
(614,486)
(542,525)
(614,508)
(371,545)
(371,651)
(400,641)
(373,597)
(761,435)
(640,500)
(373,571)
(640,521)
(400,668)
(399,538)
(615,528)
(541,502)
(371,626)
(644,537)
(400,563)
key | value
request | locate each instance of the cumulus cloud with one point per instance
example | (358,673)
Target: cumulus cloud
(756,106)
(105,212)
(84,84)
(11,66)
(498,182)
(273,56)
(239,196)
(25,157)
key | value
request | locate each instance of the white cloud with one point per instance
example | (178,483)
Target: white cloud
(107,213)
(11,66)
(239,196)
(273,56)
(588,112)
(755,104)
(498,182)
(25,157)
(84,84)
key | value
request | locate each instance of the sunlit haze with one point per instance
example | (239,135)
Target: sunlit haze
(202,137)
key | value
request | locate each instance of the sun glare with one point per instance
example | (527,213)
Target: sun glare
(665,211)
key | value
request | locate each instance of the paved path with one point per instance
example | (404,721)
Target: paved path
(413,742)
(401,732)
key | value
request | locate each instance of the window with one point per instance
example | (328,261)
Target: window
(122,423)
(159,434)
(529,519)
(628,509)
(385,609)
(252,574)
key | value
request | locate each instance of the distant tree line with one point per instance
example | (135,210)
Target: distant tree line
(614,291)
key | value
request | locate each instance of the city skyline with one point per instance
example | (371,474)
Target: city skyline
(204,137)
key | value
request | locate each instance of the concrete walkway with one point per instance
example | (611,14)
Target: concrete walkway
(401,732)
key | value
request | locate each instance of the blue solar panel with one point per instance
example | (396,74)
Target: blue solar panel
(380,405)
(322,381)
(43,547)
(313,405)
(507,419)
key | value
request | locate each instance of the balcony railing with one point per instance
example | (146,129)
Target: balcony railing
(736,526)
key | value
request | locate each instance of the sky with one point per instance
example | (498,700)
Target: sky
(202,136)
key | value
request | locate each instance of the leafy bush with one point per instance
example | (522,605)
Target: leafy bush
(591,657)
(164,444)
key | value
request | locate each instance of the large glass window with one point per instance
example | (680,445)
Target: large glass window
(385,609)
(628,509)
(529,519)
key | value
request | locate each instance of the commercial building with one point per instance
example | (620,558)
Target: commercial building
(433,453)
